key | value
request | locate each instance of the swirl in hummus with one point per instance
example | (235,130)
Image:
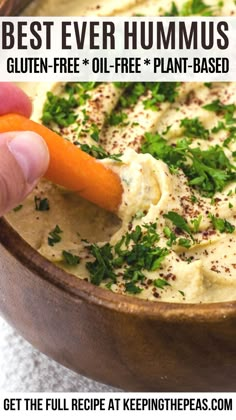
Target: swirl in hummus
(173,146)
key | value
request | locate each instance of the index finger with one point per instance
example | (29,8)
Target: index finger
(13,99)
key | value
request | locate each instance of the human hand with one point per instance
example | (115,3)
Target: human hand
(24,156)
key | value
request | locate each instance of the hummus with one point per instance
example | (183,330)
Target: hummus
(173,146)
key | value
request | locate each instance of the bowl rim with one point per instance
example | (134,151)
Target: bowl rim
(79,289)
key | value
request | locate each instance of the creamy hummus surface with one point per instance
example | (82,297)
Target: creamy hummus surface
(173,146)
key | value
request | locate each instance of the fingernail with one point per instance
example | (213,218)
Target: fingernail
(31,153)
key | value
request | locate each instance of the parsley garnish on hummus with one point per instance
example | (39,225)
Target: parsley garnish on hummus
(221,225)
(62,110)
(194,128)
(158,92)
(135,253)
(161,283)
(54,236)
(226,110)
(70,258)
(191,7)
(98,152)
(41,204)
(209,170)
(179,222)
(59,110)
(18,208)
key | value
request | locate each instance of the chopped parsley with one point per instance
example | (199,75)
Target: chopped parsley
(174,11)
(222,225)
(208,171)
(122,85)
(18,208)
(85,128)
(134,253)
(172,239)
(179,222)
(131,95)
(101,268)
(62,110)
(158,92)
(41,204)
(109,285)
(226,110)
(196,7)
(191,7)
(220,126)
(184,242)
(170,235)
(117,118)
(194,128)
(145,257)
(54,236)
(70,258)
(82,86)
(59,110)
(131,287)
(160,283)
(227,125)
(194,199)
(94,132)
(231,137)
(98,152)
(196,223)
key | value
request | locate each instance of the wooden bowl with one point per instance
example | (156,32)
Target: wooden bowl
(122,341)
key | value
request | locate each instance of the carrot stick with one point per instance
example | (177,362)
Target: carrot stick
(71,167)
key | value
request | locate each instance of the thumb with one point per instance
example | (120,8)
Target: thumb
(24,159)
